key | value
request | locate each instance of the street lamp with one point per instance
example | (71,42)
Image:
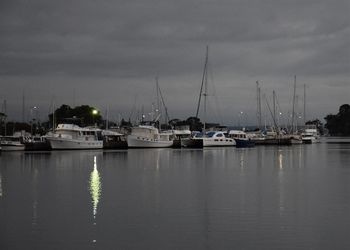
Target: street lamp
(94,113)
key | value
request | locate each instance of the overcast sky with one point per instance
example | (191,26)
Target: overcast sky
(108,53)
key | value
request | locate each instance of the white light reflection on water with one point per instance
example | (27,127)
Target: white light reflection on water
(281,188)
(95,188)
(280,159)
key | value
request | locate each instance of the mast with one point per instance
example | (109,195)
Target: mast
(73,97)
(274,108)
(158,104)
(107,117)
(23,107)
(205,94)
(293,108)
(5,113)
(53,117)
(165,107)
(258,104)
(271,113)
(52,106)
(204,77)
(304,104)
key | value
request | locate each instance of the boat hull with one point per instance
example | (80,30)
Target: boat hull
(177,143)
(138,142)
(244,143)
(37,146)
(12,147)
(211,142)
(61,143)
(115,145)
(192,143)
(310,140)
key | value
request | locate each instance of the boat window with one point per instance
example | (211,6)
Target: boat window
(197,134)
(210,134)
(219,135)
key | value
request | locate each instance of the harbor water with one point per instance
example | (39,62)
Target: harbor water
(267,197)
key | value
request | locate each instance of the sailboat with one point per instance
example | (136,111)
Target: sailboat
(148,136)
(212,138)
(295,138)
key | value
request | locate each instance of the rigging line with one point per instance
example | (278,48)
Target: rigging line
(165,107)
(268,106)
(133,108)
(203,80)
(278,105)
(218,107)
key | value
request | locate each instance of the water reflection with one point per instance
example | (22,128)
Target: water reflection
(1,193)
(241,160)
(34,194)
(95,188)
(280,159)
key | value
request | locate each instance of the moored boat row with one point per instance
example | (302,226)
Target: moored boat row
(70,137)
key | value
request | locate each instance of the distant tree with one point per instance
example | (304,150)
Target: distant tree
(124,123)
(195,123)
(344,109)
(83,114)
(339,124)
(2,116)
(12,127)
(174,122)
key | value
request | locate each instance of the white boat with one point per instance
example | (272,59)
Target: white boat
(148,137)
(70,136)
(180,133)
(241,138)
(210,139)
(12,143)
(310,135)
(217,139)
(295,139)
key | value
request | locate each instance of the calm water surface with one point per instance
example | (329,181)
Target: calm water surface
(224,198)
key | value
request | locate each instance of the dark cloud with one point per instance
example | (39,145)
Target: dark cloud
(110,52)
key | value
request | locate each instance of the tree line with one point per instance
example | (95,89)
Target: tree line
(339,124)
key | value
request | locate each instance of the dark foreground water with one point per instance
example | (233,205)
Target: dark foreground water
(224,198)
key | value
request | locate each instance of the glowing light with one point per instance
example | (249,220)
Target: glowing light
(94,112)
(95,187)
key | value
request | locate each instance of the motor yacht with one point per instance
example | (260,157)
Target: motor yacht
(241,139)
(71,136)
(145,136)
